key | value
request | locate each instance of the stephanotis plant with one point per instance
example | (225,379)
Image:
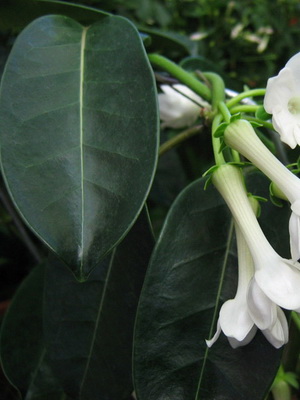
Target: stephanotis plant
(202,308)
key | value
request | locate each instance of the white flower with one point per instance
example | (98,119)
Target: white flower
(179,110)
(234,318)
(278,278)
(294,228)
(240,317)
(282,99)
(267,316)
(241,136)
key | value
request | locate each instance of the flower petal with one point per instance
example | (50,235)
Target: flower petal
(294,228)
(211,341)
(263,311)
(285,124)
(178,110)
(278,335)
(235,319)
(236,343)
(278,91)
(294,65)
(280,280)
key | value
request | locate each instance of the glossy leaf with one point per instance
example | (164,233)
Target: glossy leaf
(23,354)
(89,325)
(78,131)
(192,271)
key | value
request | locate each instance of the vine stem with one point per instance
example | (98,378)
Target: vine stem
(182,75)
(184,135)
(224,111)
(265,124)
(244,108)
(219,158)
(244,95)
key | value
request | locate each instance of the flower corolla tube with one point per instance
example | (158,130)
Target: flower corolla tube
(240,317)
(282,100)
(179,106)
(241,136)
(274,282)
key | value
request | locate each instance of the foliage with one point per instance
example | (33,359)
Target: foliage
(110,246)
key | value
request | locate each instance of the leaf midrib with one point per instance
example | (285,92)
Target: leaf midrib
(97,322)
(228,246)
(82,50)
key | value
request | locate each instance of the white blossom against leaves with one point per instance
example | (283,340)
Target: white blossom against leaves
(241,136)
(240,317)
(282,100)
(179,110)
(276,281)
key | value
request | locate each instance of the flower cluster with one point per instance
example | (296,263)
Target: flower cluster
(266,280)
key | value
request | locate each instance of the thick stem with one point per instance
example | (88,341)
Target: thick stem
(244,95)
(182,75)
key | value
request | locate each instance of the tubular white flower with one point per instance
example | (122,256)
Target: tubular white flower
(278,335)
(241,136)
(240,317)
(282,100)
(267,316)
(234,318)
(277,277)
(179,110)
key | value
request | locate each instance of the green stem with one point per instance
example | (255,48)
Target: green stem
(244,108)
(224,111)
(182,75)
(218,88)
(218,97)
(169,144)
(244,95)
(216,144)
(265,124)
(227,116)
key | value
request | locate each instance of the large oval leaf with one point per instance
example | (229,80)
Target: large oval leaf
(23,353)
(78,131)
(192,271)
(89,325)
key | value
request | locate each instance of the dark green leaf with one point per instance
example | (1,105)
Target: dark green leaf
(78,130)
(192,271)
(89,325)
(23,354)
(235,117)
(221,129)
(255,124)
